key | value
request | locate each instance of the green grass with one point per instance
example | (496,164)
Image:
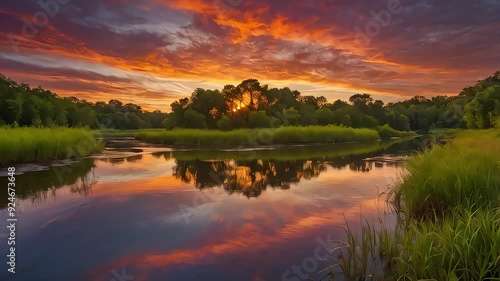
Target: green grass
(444,132)
(113,133)
(463,172)
(34,144)
(465,246)
(448,225)
(253,137)
(387,132)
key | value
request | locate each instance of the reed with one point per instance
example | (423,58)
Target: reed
(448,213)
(19,145)
(255,137)
(463,172)
(463,246)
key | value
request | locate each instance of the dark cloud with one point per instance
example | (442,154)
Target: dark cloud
(429,46)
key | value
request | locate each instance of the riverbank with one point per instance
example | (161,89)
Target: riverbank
(255,137)
(449,225)
(18,145)
(27,144)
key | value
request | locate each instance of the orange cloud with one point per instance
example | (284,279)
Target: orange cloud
(311,43)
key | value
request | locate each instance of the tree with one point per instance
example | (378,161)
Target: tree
(360,99)
(38,107)
(482,112)
(251,104)
(195,120)
(115,104)
(402,123)
(232,97)
(168,123)
(324,116)
(259,119)
(224,123)
(307,114)
(291,117)
(338,104)
(210,103)
(15,109)
(249,92)
(346,120)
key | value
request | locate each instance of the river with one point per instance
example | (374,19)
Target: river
(136,212)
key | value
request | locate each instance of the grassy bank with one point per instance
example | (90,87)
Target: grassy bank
(450,218)
(111,133)
(464,172)
(34,144)
(444,133)
(387,132)
(249,137)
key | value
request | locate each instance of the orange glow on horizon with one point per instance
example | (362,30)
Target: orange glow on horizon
(209,45)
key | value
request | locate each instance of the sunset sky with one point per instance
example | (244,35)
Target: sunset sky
(152,52)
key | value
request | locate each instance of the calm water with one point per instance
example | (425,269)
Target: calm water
(160,214)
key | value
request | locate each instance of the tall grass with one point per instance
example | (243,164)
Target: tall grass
(464,172)
(465,246)
(449,226)
(249,137)
(35,144)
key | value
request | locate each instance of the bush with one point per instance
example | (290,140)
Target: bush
(195,119)
(387,132)
(224,123)
(259,119)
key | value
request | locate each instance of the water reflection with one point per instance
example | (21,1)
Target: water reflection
(129,212)
(241,172)
(251,177)
(40,185)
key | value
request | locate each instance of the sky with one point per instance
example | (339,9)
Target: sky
(152,52)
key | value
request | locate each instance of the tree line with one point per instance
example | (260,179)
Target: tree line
(21,105)
(253,105)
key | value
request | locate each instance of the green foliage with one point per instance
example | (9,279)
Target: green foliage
(195,119)
(324,116)
(34,144)
(308,114)
(399,122)
(224,123)
(244,104)
(37,107)
(291,117)
(252,105)
(259,119)
(168,123)
(484,109)
(387,132)
(346,120)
